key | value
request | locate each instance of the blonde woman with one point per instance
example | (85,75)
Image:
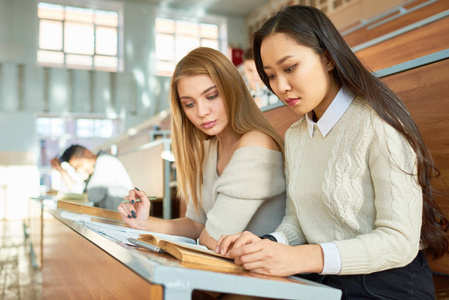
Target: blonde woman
(229,159)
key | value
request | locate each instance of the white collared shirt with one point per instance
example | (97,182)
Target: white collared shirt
(332,114)
(341,102)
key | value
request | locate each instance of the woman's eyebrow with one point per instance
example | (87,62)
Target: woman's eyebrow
(280,61)
(202,93)
(208,89)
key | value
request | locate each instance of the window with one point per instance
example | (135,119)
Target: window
(175,38)
(76,37)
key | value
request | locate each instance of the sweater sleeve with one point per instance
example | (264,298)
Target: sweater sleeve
(194,214)
(290,227)
(398,203)
(253,175)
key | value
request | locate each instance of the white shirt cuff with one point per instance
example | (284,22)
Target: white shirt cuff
(279,237)
(332,259)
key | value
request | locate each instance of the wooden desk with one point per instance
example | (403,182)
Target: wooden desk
(80,264)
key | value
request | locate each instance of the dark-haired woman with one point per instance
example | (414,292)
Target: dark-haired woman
(360,212)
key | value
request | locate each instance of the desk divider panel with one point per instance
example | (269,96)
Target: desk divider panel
(145,166)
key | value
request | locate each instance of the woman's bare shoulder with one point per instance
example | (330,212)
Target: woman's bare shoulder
(258,139)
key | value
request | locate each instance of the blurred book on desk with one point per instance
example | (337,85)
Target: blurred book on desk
(73,197)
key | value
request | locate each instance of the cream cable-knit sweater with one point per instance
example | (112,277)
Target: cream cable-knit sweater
(350,188)
(249,194)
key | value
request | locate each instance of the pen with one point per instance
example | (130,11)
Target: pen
(138,200)
(145,245)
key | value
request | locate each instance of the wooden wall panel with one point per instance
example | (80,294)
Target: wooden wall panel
(425,91)
(281,118)
(413,44)
(364,34)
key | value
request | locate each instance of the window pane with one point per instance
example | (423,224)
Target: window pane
(70,127)
(109,18)
(165,68)
(165,46)
(209,43)
(165,25)
(106,40)
(105,61)
(57,127)
(43,126)
(79,14)
(85,128)
(209,31)
(50,57)
(78,60)
(50,127)
(50,35)
(50,11)
(103,128)
(79,38)
(184,45)
(187,28)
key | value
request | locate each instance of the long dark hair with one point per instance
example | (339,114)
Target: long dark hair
(310,27)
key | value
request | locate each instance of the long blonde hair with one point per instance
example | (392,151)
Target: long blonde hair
(242,112)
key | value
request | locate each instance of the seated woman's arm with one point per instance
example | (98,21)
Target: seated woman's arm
(136,215)
(253,176)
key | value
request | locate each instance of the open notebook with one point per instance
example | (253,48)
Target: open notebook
(182,248)
(187,252)
(116,231)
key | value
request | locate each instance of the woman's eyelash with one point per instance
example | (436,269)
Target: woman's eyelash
(290,68)
(212,97)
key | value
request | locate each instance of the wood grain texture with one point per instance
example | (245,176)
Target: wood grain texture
(74,268)
(422,41)
(425,91)
(364,34)
(281,118)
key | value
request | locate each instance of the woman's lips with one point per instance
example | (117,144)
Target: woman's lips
(208,125)
(291,101)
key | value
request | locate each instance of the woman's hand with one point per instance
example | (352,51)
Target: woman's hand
(56,164)
(271,258)
(206,240)
(136,214)
(227,242)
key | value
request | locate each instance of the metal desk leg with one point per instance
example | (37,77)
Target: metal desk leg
(177,290)
(166,202)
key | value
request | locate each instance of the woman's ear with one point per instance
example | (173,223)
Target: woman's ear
(328,60)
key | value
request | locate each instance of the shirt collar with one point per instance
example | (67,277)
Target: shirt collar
(332,114)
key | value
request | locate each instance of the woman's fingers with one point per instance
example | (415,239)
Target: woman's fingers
(124,212)
(246,238)
(144,200)
(225,242)
(239,250)
(132,196)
